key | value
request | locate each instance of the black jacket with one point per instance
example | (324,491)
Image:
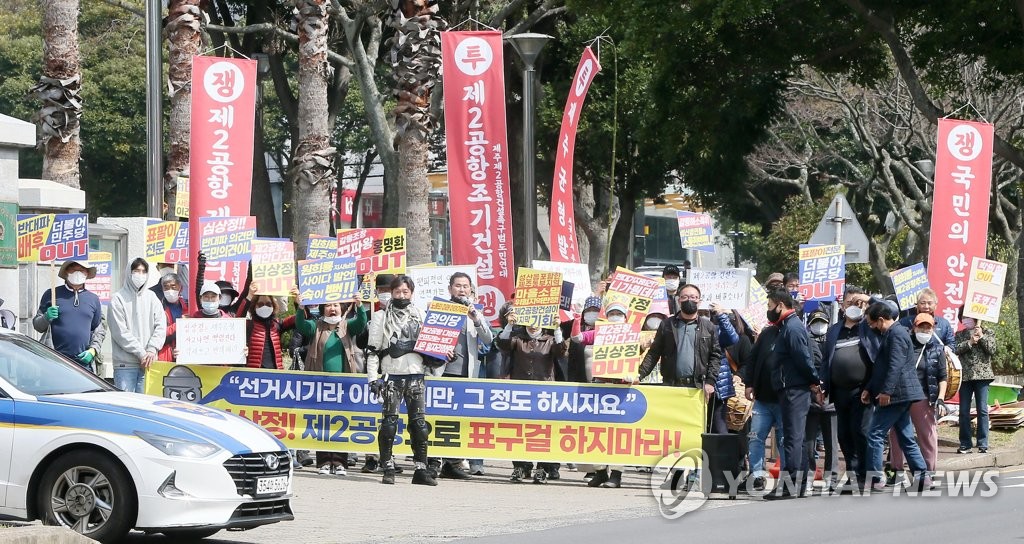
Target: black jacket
(895,371)
(794,354)
(757,374)
(707,353)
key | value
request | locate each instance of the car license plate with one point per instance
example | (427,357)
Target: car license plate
(278,484)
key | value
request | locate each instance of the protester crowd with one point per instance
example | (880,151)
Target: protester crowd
(878,376)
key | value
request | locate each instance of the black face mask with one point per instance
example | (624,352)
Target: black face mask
(401,303)
(773,315)
(688,307)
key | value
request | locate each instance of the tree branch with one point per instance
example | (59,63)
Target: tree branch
(136,10)
(271,28)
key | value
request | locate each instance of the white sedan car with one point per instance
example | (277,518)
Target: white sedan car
(76,452)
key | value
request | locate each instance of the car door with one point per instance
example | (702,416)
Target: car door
(6,443)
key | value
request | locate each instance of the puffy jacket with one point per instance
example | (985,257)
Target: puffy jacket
(894,372)
(257,330)
(171,339)
(137,323)
(934,359)
(794,356)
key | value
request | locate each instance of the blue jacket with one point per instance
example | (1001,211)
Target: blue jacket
(795,365)
(894,372)
(870,343)
(934,359)
(943,329)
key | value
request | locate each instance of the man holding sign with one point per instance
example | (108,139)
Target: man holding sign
(73,315)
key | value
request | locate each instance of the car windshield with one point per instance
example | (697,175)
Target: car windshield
(36,370)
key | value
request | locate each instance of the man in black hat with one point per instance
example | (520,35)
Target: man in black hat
(72,315)
(671,275)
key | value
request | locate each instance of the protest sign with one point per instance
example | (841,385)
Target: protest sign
(432,282)
(328,280)
(368,289)
(181,198)
(219,341)
(822,272)
(755,314)
(616,350)
(659,304)
(729,287)
(8,235)
(537,297)
(441,327)
(102,284)
(375,250)
(696,231)
(321,247)
(166,241)
(273,266)
(985,286)
(469,418)
(908,283)
(51,237)
(565,298)
(576,273)
(634,290)
(227,238)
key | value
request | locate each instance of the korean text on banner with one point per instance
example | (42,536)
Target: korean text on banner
(985,290)
(696,231)
(616,350)
(181,197)
(755,314)
(634,290)
(368,289)
(51,237)
(659,304)
(729,287)
(220,152)
(477,146)
(166,241)
(960,207)
(102,284)
(822,272)
(563,223)
(328,280)
(441,327)
(907,283)
(273,266)
(319,246)
(468,418)
(576,273)
(432,282)
(376,250)
(219,341)
(227,238)
(537,297)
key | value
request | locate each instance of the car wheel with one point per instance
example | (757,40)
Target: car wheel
(88,493)
(180,535)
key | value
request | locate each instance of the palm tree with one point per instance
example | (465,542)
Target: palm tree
(60,90)
(184,41)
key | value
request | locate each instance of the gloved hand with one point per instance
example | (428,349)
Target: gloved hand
(87,356)
(52,313)
(377,387)
(558,335)
(940,409)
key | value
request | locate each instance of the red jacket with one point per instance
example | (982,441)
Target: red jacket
(257,331)
(167,352)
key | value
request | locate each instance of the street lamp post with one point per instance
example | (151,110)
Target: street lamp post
(154,115)
(736,235)
(528,46)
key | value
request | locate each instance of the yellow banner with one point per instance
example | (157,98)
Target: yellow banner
(617,352)
(538,294)
(273,266)
(181,198)
(488,419)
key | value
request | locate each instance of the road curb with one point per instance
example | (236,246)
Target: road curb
(37,534)
(1011,456)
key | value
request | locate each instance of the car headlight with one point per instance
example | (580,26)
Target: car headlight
(177,446)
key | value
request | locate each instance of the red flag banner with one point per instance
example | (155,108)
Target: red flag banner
(959,230)
(220,150)
(479,209)
(563,227)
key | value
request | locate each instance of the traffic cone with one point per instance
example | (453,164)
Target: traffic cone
(774,470)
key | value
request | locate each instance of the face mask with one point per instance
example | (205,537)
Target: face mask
(225,300)
(590,317)
(818,328)
(854,313)
(265,311)
(773,315)
(653,323)
(138,280)
(923,337)
(617,318)
(165,270)
(77,278)
(672,285)
(689,307)
(210,307)
(401,303)
(535,334)
(332,319)
(171,295)
(968,322)
(384,298)
(794,294)
(314,311)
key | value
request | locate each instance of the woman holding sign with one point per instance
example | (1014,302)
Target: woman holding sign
(331,348)
(975,345)
(263,330)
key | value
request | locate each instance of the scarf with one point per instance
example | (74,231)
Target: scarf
(401,324)
(315,356)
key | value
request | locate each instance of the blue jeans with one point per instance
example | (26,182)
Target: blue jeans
(979,390)
(896,416)
(764,416)
(129,378)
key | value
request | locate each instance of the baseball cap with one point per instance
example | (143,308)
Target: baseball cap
(775,277)
(670,269)
(592,302)
(924,318)
(615,306)
(209,287)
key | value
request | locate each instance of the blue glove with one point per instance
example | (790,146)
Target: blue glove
(52,313)
(86,356)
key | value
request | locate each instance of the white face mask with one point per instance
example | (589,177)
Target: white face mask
(171,295)
(225,300)
(923,337)
(210,307)
(617,318)
(672,285)
(77,278)
(332,319)
(854,313)
(590,317)
(384,298)
(653,323)
(818,328)
(534,334)
(139,279)
(265,311)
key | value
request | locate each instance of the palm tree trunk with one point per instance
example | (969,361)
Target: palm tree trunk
(60,89)
(183,42)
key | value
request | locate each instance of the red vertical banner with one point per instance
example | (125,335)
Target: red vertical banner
(959,230)
(476,138)
(564,248)
(220,151)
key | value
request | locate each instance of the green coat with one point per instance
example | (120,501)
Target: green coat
(334,357)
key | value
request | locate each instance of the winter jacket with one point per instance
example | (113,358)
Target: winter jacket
(477,333)
(531,359)
(171,341)
(976,359)
(934,361)
(137,323)
(870,343)
(707,352)
(257,330)
(379,362)
(727,337)
(758,374)
(895,373)
(337,355)
(794,356)
(943,329)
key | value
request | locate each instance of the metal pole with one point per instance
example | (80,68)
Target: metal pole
(154,118)
(838,220)
(529,192)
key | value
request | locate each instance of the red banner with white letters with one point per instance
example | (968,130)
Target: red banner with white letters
(479,209)
(220,151)
(564,247)
(959,230)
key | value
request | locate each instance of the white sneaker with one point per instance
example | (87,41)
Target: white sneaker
(339,470)
(325,470)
